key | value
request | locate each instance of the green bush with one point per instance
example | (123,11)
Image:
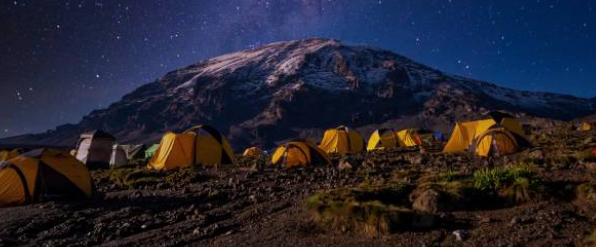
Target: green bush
(516,184)
(491,179)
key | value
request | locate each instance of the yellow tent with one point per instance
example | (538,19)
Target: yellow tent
(381,139)
(199,145)
(299,154)
(6,155)
(497,140)
(413,137)
(41,175)
(585,126)
(253,152)
(342,140)
(466,133)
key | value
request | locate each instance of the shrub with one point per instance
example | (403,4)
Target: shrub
(340,210)
(442,192)
(131,178)
(589,241)
(490,179)
(585,197)
(516,184)
(522,190)
(368,210)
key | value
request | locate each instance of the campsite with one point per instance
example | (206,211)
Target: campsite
(400,190)
(299,123)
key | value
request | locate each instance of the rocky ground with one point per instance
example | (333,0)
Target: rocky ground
(245,206)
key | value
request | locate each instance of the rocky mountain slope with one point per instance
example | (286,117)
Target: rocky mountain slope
(299,88)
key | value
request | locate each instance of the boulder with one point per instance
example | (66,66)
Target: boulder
(429,201)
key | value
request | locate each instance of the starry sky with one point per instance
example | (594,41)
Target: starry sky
(60,59)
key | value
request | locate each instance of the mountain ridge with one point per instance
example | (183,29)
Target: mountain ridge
(298,88)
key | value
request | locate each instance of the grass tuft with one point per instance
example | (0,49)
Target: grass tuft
(515,184)
(369,210)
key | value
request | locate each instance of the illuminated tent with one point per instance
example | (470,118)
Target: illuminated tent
(413,137)
(342,140)
(42,175)
(199,145)
(382,139)
(498,141)
(465,134)
(585,126)
(299,153)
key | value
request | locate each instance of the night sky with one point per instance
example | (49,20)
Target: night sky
(61,59)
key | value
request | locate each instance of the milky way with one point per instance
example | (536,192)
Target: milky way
(61,59)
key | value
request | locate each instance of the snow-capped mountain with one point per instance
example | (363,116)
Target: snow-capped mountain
(298,88)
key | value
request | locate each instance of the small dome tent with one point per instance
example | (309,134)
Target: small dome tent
(41,175)
(122,154)
(94,149)
(498,141)
(199,145)
(253,152)
(299,153)
(382,139)
(466,136)
(413,137)
(342,140)
(150,151)
(586,126)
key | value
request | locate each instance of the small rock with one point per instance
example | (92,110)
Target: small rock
(136,194)
(460,235)
(197,231)
(536,154)
(429,202)
(485,220)
(347,163)
(590,165)
(514,221)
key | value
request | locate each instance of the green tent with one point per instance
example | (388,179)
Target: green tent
(151,151)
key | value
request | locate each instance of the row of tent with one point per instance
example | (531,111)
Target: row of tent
(47,174)
(501,134)
(97,149)
(205,145)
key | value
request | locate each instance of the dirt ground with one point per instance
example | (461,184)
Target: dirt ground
(240,206)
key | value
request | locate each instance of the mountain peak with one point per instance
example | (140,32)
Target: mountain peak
(299,88)
(325,63)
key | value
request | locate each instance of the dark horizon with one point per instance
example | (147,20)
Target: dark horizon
(63,59)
